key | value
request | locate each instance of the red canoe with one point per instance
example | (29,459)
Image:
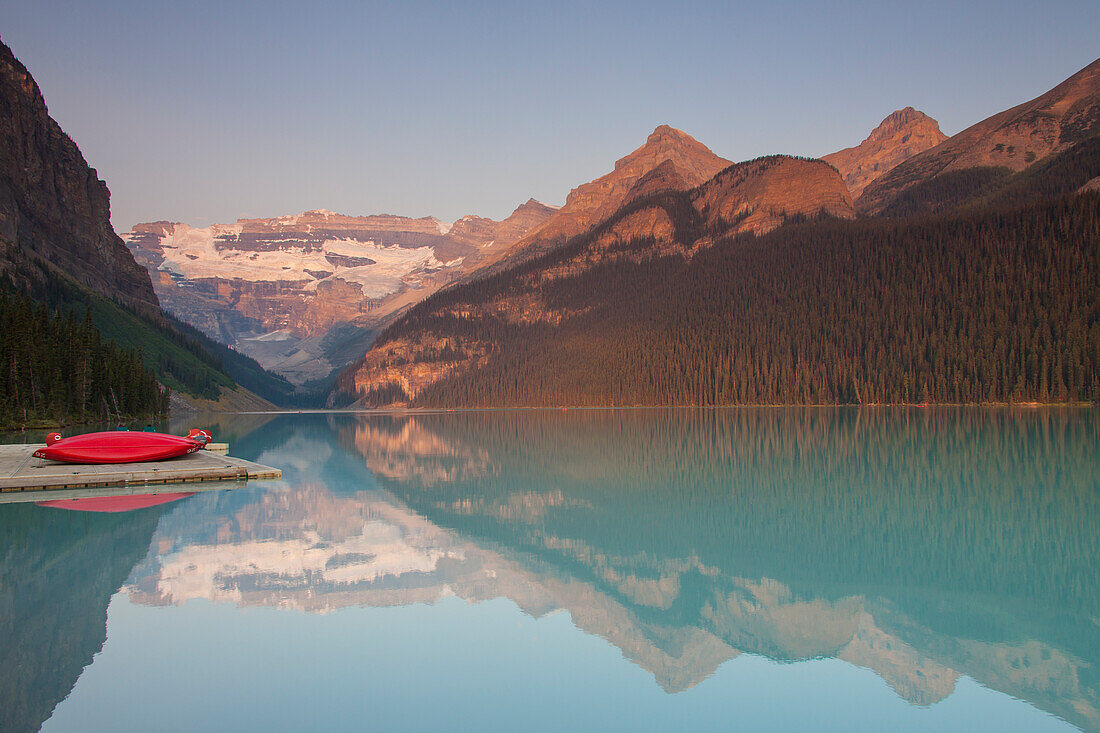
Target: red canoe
(115,503)
(121,446)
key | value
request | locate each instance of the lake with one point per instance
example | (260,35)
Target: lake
(759,569)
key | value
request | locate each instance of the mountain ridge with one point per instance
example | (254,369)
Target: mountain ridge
(752,197)
(1014,139)
(687,163)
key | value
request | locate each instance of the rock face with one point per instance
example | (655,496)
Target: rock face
(670,159)
(277,289)
(755,196)
(1014,139)
(759,194)
(53,206)
(897,138)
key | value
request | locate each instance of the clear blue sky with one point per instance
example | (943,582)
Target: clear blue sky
(206,111)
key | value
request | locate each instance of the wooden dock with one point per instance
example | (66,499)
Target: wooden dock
(21,471)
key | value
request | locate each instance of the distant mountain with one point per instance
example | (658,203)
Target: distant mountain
(304,294)
(981,157)
(897,138)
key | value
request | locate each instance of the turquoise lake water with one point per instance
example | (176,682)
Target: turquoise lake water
(749,569)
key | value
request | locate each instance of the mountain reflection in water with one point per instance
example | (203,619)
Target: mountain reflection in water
(923,545)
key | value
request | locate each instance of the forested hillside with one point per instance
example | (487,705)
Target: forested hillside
(57,249)
(184,360)
(990,305)
(55,368)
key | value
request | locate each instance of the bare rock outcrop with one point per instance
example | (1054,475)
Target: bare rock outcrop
(903,134)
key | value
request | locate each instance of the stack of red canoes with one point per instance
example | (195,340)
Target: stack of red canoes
(121,446)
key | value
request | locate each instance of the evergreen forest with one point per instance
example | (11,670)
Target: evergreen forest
(990,304)
(56,368)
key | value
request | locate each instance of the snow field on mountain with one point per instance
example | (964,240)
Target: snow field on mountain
(208,253)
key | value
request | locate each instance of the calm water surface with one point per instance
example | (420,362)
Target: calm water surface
(763,569)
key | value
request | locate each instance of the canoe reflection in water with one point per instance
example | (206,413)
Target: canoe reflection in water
(114,504)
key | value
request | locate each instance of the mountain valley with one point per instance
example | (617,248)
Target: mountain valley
(297,292)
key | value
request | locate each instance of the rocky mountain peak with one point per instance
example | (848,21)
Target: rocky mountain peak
(904,122)
(535,205)
(1015,139)
(668,143)
(669,136)
(903,134)
(676,161)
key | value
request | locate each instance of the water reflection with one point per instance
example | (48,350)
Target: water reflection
(58,571)
(926,546)
(920,544)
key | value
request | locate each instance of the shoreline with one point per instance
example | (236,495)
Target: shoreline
(558,408)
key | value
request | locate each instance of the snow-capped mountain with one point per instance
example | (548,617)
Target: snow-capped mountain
(302,294)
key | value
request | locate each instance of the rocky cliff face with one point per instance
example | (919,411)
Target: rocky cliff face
(53,207)
(755,196)
(1014,139)
(278,288)
(897,138)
